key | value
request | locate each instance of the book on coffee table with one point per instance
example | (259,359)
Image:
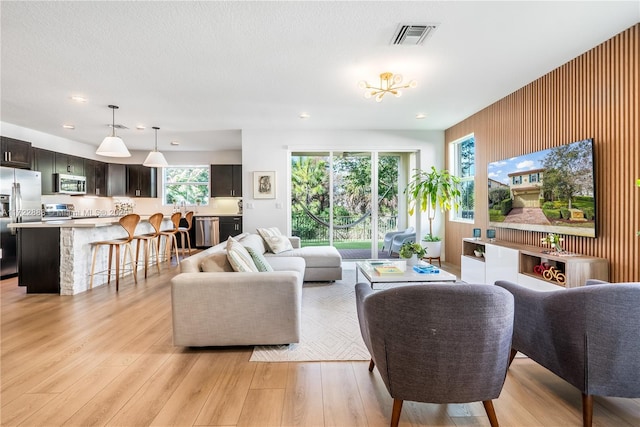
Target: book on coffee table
(388,269)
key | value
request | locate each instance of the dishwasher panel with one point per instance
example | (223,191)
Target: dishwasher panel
(207,231)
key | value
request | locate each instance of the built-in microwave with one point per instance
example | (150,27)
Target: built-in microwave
(70,184)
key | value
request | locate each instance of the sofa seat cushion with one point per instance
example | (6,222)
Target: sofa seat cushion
(314,256)
(295,264)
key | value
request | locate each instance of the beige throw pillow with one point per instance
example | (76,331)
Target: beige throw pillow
(275,241)
(239,258)
(215,263)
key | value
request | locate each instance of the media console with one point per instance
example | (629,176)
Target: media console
(527,265)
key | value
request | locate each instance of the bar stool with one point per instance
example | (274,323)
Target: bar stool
(184,231)
(151,240)
(171,240)
(129,223)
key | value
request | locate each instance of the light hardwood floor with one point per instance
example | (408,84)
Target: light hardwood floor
(106,358)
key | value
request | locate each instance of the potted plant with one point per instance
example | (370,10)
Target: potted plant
(479,252)
(429,191)
(412,251)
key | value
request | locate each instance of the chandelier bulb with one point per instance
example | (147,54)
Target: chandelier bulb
(397,79)
(413,84)
(362,84)
(398,93)
(367,94)
(379,97)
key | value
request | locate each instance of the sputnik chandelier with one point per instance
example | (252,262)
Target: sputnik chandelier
(389,83)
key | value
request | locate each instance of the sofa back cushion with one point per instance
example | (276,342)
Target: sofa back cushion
(254,242)
(275,240)
(217,262)
(239,258)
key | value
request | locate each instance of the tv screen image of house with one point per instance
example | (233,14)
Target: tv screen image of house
(551,191)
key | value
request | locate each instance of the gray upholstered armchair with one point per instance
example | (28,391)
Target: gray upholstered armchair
(393,240)
(438,343)
(589,336)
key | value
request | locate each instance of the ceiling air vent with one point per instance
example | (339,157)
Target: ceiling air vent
(412,34)
(117,126)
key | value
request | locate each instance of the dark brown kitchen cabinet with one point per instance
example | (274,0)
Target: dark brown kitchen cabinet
(226,180)
(44,161)
(96,173)
(229,226)
(70,165)
(141,181)
(116,179)
(15,153)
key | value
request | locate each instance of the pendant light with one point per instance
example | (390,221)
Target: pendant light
(155,159)
(113,146)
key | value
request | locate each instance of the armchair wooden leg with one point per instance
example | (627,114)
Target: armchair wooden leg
(372,364)
(512,356)
(395,415)
(491,413)
(587,410)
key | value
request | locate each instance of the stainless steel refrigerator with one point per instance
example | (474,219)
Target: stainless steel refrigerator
(20,193)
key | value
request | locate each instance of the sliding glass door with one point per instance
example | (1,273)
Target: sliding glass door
(335,199)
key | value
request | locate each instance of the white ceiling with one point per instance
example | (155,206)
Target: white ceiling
(203,71)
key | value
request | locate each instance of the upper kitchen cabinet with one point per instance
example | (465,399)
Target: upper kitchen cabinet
(44,161)
(141,181)
(116,179)
(70,165)
(15,153)
(226,180)
(96,173)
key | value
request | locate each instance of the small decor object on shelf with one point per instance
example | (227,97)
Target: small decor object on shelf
(552,274)
(477,233)
(554,241)
(491,234)
(479,252)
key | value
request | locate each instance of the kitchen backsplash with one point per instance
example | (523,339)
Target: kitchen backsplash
(142,205)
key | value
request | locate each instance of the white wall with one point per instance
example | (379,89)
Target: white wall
(269,151)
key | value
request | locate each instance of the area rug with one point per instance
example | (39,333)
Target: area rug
(330,329)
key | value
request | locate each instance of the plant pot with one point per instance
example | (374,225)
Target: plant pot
(478,254)
(412,261)
(433,249)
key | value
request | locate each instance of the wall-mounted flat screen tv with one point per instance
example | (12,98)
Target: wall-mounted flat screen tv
(551,191)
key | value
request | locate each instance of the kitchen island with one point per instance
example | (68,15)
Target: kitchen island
(55,256)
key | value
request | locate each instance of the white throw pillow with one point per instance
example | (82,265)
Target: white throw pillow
(275,241)
(239,258)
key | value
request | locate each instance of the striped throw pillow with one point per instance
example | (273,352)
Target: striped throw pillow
(259,260)
(239,258)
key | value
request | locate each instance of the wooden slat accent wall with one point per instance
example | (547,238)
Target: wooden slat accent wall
(596,95)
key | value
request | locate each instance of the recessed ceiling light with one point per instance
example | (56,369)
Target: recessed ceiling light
(305,115)
(78,98)
(68,126)
(175,142)
(420,116)
(140,127)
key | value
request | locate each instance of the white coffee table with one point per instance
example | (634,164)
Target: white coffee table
(408,275)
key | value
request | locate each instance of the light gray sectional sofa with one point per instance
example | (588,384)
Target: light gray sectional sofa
(220,307)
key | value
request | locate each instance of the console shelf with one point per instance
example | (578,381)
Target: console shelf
(531,265)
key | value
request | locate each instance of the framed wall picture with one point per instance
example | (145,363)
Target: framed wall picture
(264,185)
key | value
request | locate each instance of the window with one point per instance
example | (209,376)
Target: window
(516,180)
(533,177)
(463,157)
(185,183)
